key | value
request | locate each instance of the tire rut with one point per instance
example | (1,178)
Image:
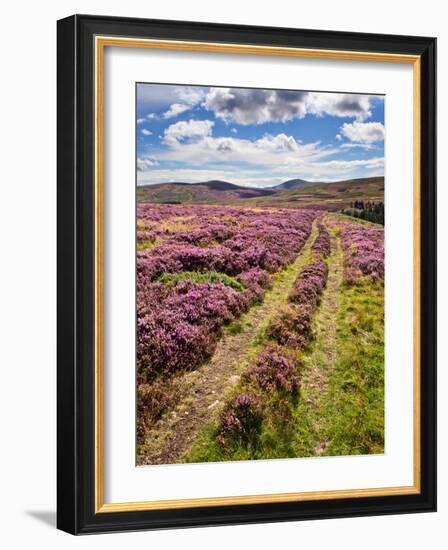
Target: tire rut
(200,395)
(323,355)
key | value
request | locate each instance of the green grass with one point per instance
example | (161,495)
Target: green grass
(280,412)
(344,216)
(236,327)
(354,405)
(145,244)
(274,441)
(201,277)
(348,418)
(345,419)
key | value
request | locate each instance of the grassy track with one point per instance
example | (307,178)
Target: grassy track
(199,396)
(319,362)
(354,404)
(341,405)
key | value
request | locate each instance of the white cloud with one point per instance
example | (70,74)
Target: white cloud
(176,109)
(338,137)
(190,95)
(146,132)
(340,105)
(192,142)
(363,132)
(279,143)
(140,120)
(156,98)
(198,155)
(150,116)
(255,106)
(366,146)
(144,164)
(344,164)
(187,130)
(334,170)
(234,130)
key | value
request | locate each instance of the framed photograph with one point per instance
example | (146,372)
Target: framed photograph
(246,274)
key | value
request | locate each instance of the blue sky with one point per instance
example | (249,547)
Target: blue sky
(256,137)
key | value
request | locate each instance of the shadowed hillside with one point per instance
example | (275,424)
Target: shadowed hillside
(208,192)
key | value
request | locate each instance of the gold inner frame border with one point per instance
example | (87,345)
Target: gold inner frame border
(101,42)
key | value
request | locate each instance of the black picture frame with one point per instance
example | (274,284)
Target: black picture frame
(76,264)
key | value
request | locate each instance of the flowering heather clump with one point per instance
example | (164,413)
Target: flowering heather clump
(276,369)
(256,281)
(321,246)
(363,247)
(178,328)
(230,240)
(241,420)
(205,236)
(205,266)
(310,284)
(292,327)
(145,236)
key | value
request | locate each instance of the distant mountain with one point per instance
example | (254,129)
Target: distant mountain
(294,184)
(216,185)
(207,192)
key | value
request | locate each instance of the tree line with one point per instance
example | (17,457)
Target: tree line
(366,210)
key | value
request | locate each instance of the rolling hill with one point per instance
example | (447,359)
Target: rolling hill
(296,193)
(332,196)
(214,191)
(293,184)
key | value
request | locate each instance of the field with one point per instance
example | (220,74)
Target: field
(260,329)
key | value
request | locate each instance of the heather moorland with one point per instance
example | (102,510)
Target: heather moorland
(259,333)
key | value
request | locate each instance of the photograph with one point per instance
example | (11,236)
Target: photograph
(259,273)
(246,319)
